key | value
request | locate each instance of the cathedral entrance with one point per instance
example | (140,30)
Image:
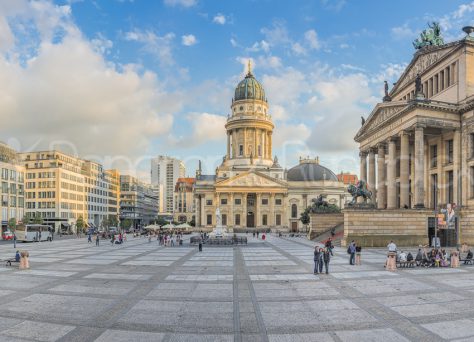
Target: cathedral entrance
(250,220)
(251,210)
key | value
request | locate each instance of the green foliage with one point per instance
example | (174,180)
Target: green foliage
(113,221)
(192,223)
(26,219)
(126,224)
(161,221)
(305,219)
(12,224)
(80,224)
(38,219)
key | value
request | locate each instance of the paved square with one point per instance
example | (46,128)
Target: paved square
(265,291)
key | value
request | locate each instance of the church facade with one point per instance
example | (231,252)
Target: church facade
(250,188)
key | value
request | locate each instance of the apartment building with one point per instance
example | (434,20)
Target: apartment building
(165,171)
(184,210)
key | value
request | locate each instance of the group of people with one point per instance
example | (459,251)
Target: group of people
(322,256)
(436,257)
(354,250)
(168,239)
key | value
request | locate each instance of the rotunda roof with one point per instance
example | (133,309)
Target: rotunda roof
(309,170)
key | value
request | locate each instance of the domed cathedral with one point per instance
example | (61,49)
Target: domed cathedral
(250,188)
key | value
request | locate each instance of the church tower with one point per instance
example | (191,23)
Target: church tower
(249,127)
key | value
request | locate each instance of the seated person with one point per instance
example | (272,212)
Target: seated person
(403,256)
(468,257)
(17,256)
(419,257)
(409,257)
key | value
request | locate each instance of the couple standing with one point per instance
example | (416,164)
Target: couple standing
(321,256)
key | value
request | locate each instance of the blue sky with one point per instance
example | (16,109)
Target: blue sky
(120,81)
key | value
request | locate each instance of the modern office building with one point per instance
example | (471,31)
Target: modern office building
(138,201)
(12,177)
(165,171)
(60,188)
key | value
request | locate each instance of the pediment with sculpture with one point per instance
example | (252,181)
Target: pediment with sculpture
(382,113)
(423,60)
(251,179)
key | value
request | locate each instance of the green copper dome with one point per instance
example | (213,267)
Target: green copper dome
(249,89)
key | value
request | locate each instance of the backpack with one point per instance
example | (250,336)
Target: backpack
(349,250)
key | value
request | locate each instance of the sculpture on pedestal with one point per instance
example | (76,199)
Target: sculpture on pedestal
(359,190)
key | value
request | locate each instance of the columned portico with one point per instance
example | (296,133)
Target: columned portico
(381,193)
(371,177)
(404,170)
(391,174)
(363,165)
(419,198)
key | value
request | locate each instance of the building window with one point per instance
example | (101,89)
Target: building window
(449,151)
(450,194)
(224,219)
(264,219)
(223,201)
(241,150)
(277,201)
(237,219)
(471,146)
(264,201)
(237,201)
(278,219)
(259,150)
(434,155)
(294,211)
(208,202)
(209,220)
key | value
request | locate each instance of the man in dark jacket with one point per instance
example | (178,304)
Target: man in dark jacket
(326,259)
(317,259)
(352,251)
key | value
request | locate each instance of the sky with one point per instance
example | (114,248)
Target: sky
(121,81)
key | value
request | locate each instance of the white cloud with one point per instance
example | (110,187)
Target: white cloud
(260,46)
(290,134)
(182,3)
(403,32)
(269,62)
(389,72)
(102,44)
(298,49)
(234,42)
(68,92)
(463,9)
(158,46)
(188,40)
(205,127)
(219,19)
(277,34)
(311,38)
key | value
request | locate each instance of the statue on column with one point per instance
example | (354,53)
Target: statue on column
(418,88)
(387,97)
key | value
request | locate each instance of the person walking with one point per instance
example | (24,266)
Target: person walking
(317,259)
(352,250)
(326,259)
(97,240)
(329,245)
(89,238)
(358,255)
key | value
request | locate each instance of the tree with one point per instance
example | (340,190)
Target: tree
(26,219)
(105,223)
(12,224)
(192,223)
(38,219)
(305,218)
(126,224)
(161,221)
(80,224)
(113,221)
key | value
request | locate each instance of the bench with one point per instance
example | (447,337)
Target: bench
(9,262)
(406,264)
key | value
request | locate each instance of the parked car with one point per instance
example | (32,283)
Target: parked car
(7,235)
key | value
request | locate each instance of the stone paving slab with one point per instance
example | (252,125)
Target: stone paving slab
(264,291)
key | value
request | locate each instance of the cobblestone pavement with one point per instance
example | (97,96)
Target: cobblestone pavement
(265,291)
